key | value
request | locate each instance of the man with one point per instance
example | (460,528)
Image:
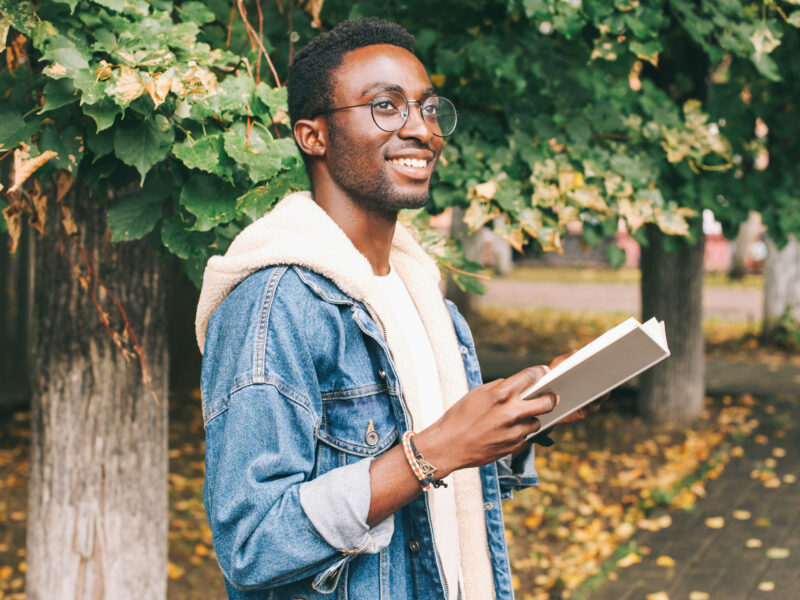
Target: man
(327,342)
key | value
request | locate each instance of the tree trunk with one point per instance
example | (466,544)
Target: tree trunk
(97,523)
(473,250)
(781,285)
(673,391)
(740,246)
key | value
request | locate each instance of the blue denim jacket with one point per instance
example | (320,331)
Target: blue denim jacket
(295,373)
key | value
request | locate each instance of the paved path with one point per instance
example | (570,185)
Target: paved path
(719,561)
(728,302)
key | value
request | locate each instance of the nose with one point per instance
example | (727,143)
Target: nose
(415,126)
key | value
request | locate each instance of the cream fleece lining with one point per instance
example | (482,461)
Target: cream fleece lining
(297,231)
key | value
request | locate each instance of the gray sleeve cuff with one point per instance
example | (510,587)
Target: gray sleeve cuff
(337,504)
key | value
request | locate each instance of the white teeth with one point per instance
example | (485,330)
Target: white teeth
(410,162)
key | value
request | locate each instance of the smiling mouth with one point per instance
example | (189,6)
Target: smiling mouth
(416,163)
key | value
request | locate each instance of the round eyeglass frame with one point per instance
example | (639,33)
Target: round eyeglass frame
(406,112)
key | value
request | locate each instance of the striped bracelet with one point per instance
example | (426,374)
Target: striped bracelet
(422,469)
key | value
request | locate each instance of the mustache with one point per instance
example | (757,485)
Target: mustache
(414,146)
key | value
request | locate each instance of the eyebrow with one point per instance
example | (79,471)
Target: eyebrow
(393,87)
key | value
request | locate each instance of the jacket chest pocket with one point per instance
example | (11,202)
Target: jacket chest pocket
(358,422)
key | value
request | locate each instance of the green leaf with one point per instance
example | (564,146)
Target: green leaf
(58,93)
(67,59)
(134,215)
(21,15)
(274,99)
(68,143)
(104,113)
(13,130)
(794,19)
(259,154)
(766,66)
(100,143)
(195,11)
(191,246)
(209,199)
(115,5)
(259,200)
(200,154)
(143,144)
(616,256)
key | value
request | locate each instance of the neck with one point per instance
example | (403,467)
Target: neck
(370,230)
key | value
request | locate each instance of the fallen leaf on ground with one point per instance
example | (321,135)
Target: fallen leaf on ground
(766,586)
(778,452)
(175,571)
(753,543)
(789,478)
(696,595)
(630,559)
(657,596)
(665,561)
(741,515)
(715,522)
(778,553)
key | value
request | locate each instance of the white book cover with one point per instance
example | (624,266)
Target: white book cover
(601,365)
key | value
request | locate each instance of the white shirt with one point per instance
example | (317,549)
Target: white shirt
(442,500)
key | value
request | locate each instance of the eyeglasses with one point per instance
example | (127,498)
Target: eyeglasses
(390,112)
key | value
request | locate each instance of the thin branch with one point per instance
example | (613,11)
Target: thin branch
(447,265)
(251,32)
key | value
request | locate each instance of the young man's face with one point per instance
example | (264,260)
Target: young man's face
(363,159)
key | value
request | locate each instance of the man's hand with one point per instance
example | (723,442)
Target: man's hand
(488,423)
(587,410)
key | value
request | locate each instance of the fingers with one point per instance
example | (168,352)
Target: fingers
(519,382)
(561,358)
(539,405)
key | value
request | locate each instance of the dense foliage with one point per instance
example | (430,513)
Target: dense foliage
(571,111)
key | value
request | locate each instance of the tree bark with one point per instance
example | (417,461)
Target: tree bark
(673,391)
(740,246)
(781,285)
(97,522)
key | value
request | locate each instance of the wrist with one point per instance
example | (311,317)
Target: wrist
(436,450)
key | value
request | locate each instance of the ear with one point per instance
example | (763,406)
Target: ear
(312,136)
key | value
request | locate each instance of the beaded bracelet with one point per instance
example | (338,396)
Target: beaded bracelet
(422,468)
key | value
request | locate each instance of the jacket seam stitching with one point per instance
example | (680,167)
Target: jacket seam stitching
(263,324)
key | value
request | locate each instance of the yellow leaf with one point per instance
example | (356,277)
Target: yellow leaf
(789,478)
(741,515)
(127,86)
(201,550)
(778,452)
(778,553)
(766,586)
(438,79)
(630,559)
(696,595)
(570,180)
(657,596)
(24,166)
(715,522)
(6,572)
(174,571)
(753,543)
(665,561)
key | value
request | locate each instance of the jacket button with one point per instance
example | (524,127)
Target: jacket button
(413,545)
(382,374)
(464,350)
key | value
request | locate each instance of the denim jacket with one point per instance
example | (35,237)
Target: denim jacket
(300,393)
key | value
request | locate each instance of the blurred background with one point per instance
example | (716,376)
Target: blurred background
(612,159)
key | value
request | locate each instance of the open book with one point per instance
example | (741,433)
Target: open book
(610,360)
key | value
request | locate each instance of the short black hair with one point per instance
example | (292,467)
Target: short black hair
(310,84)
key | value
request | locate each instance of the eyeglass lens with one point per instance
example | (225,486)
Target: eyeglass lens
(390,113)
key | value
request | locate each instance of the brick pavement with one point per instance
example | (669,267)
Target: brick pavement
(718,561)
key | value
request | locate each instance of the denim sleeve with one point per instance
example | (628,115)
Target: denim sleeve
(520,473)
(259,452)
